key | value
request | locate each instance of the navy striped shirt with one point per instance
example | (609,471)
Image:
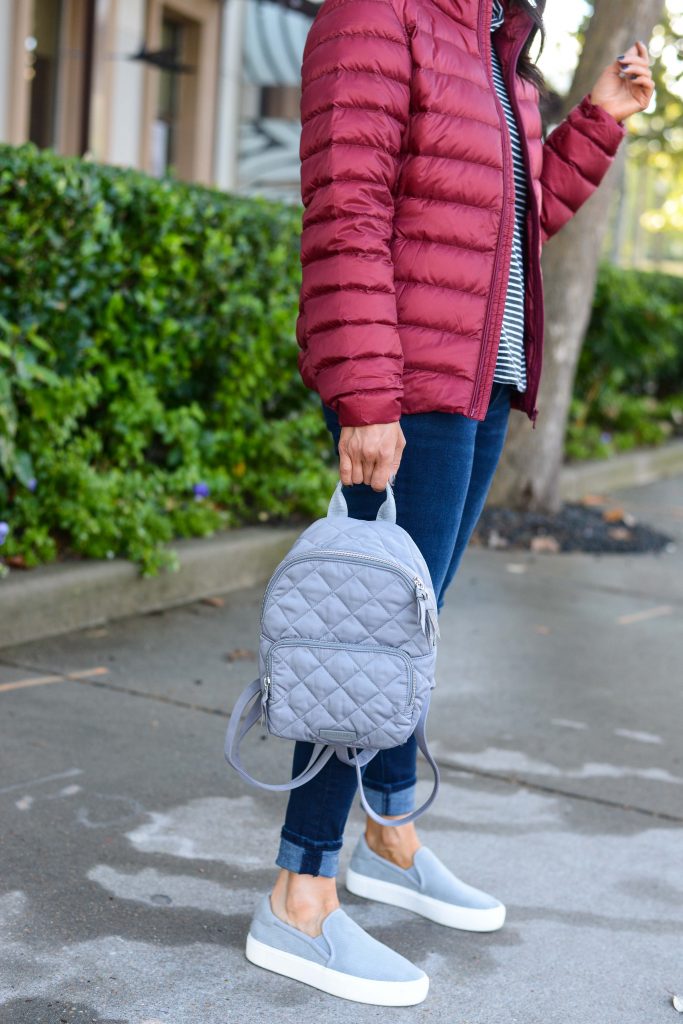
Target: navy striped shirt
(510,363)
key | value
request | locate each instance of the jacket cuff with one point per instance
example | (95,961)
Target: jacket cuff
(366,408)
(599,124)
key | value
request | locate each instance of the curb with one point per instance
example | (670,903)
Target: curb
(61,598)
(630,469)
(66,597)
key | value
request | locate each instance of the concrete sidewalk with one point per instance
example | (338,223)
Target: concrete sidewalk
(132,857)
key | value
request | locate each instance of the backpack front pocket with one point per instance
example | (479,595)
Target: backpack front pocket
(346,595)
(359,695)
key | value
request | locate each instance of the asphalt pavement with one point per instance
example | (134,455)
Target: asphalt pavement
(131,857)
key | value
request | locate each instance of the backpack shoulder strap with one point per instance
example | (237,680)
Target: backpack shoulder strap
(248,705)
(421,737)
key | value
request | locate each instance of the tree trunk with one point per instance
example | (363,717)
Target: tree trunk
(620,221)
(529,473)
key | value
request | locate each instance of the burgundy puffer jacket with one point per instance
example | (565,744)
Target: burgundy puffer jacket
(407,183)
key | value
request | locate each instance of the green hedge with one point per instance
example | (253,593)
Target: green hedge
(629,387)
(147,356)
(148,379)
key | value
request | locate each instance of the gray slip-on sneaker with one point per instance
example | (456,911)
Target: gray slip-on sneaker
(344,961)
(427,888)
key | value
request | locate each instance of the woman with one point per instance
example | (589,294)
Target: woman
(428,192)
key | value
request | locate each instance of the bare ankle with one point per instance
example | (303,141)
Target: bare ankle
(397,844)
(304,901)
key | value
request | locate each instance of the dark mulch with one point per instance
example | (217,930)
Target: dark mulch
(576,527)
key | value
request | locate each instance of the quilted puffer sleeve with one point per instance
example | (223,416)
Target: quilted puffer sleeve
(354,111)
(576,157)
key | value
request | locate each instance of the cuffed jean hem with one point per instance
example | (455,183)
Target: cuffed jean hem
(390,802)
(307,862)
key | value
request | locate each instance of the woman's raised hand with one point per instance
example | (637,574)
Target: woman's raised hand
(625,87)
(371,454)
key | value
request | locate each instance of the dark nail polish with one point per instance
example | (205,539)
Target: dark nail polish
(621,56)
(633,76)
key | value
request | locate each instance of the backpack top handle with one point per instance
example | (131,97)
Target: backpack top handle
(338,506)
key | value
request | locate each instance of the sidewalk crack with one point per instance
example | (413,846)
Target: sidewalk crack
(523,783)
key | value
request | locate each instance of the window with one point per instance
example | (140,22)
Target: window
(42,71)
(164,153)
(182,44)
(52,107)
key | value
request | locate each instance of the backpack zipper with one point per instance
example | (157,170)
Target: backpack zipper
(426,609)
(266,688)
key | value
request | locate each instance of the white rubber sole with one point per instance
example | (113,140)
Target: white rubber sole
(468,919)
(346,986)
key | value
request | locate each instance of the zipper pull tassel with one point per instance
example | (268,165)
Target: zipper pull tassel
(422,599)
(434,630)
(264,700)
(426,612)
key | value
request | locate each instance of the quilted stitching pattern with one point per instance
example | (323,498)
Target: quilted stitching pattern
(363,663)
(349,603)
(366,693)
(385,540)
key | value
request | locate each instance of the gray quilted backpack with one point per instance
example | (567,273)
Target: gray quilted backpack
(347,647)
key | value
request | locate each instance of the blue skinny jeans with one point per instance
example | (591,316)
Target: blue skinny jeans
(440,489)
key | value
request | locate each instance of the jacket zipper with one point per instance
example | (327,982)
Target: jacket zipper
(426,609)
(507,216)
(533,258)
(267,684)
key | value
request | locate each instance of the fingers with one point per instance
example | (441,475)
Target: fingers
(636,71)
(634,62)
(398,452)
(380,463)
(345,466)
(369,455)
(635,55)
(642,91)
(360,469)
(379,478)
(634,66)
(638,51)
(387,465)
(358,472)
(356,461)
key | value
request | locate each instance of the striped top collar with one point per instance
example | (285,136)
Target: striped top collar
(497,15)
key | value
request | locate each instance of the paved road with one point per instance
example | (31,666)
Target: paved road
(131,858)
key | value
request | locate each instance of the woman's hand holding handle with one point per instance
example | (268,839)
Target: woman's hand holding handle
(370,454)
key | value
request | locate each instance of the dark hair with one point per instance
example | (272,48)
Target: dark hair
(526,66)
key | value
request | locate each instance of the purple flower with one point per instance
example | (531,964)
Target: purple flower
(605,437)
(32,484)
(4,531)
(201,490)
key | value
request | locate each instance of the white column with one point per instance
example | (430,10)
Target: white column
(126,85)
(6,67)
(229,94)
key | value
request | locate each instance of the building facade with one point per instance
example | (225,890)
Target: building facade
(206,89)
